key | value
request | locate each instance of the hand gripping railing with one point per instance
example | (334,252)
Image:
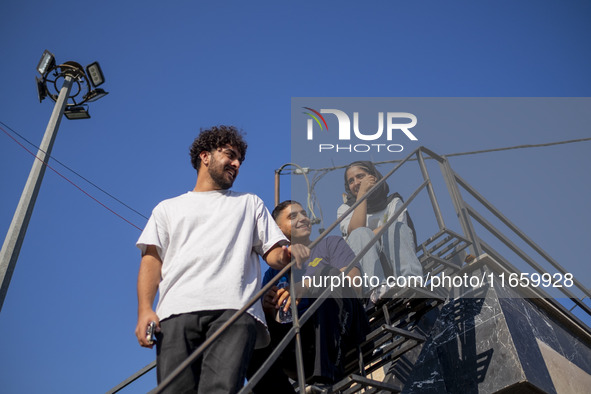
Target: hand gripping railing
(464,213)
(310,311)
(297,322)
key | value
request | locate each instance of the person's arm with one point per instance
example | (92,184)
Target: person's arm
(274,298)
(359,217)
(377,230)
(149,277)
(278,256)
(281,295)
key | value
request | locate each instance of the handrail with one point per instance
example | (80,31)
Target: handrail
(514,228)
(502,262)
(189,360)
(501,237)
(467,210)
(281,346)
(431,191)
(465,213)
(133,378)
(259,294)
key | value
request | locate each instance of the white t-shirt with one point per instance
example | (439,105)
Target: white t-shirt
(374,220)
(209,244)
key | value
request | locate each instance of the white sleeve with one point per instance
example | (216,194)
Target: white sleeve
(266,233)
(155,233)
(344,225)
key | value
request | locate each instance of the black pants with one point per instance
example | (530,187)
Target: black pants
(337,326)
(221,368)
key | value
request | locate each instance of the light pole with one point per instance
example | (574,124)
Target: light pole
(71,102)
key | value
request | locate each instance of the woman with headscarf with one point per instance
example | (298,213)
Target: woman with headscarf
(394,254)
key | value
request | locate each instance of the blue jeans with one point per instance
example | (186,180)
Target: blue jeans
(396,245)
(221,368)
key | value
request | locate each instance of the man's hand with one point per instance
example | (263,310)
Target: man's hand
(278,256)
(274,298)
(300,253)
(282,295)
(147,286)
(285,255)
(268,304)
(143,321)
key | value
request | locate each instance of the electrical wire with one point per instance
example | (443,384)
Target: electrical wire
(309,199)
(311,194)
(74,172)
(64,177)
(476,152)
(321,172)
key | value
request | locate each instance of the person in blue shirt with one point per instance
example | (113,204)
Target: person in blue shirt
(338,325)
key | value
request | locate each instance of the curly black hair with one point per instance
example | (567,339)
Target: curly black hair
(215,137)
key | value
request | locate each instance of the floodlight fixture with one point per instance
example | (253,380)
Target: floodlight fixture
(94,72)
(70,86)
(41,89)
(76,112)
(95,94)
(73,69)
(46,63)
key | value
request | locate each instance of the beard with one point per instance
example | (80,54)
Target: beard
(219,175)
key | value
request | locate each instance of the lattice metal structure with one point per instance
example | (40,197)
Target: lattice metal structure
(408,322)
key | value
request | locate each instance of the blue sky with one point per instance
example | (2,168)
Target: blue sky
(68,319)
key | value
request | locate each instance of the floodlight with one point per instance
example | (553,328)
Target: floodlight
(69,86)
(46,63)
(95,74)
(76,112)
(41,89)
(95,94)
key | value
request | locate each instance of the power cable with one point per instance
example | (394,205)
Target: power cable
(321,172)
(310,198)
(74,172)
(64,177)
(476,152)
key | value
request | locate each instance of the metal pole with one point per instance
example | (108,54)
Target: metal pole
(20,221)
(298,336)
(458,202)
(430,190)
(277,186)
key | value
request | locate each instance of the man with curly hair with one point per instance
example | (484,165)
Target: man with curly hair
(200,252)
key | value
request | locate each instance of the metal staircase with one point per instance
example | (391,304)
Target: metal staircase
(395,320)
(445,339)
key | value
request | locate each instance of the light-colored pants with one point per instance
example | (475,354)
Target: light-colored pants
(397,245)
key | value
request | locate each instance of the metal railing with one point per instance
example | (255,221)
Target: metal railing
(465,214)
(466,211)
